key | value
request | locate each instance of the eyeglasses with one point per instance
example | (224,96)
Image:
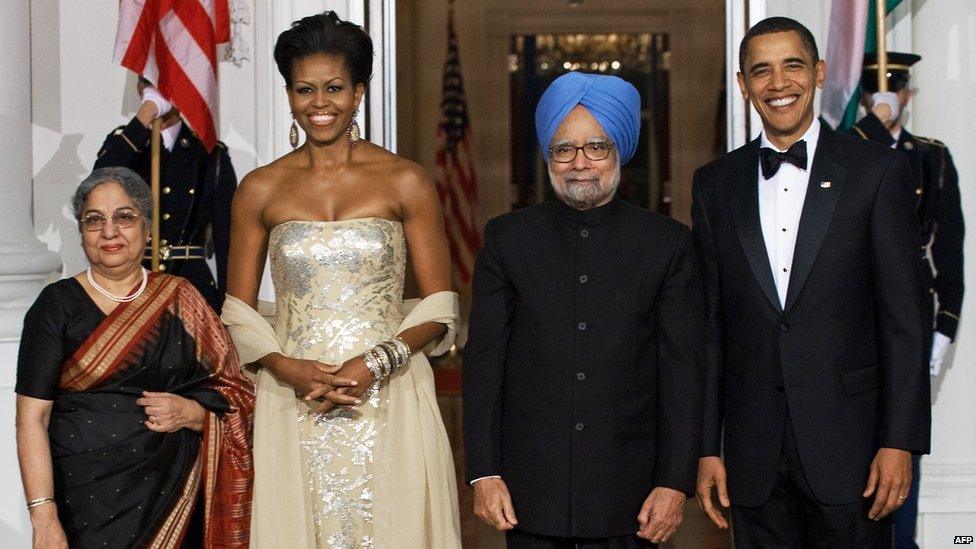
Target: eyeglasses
(565,152)
(121,220)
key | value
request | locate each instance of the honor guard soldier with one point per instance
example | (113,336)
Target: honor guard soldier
(936,191)
(196,189)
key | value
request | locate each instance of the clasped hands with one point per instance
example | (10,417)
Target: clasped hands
(332,384)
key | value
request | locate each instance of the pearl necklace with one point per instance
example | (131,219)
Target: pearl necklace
(113,297)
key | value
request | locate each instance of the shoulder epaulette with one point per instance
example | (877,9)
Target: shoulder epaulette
(118,130)
(931,141)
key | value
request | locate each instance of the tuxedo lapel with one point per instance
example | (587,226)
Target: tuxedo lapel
(745,206)
(823,190)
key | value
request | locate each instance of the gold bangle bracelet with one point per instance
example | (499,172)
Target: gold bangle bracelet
(39,501)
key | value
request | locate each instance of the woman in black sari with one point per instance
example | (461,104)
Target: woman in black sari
(133,417)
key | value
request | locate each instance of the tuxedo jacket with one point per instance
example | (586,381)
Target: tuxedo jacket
(844,360)
(583,369)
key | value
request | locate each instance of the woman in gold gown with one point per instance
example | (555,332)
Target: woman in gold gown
(350,450)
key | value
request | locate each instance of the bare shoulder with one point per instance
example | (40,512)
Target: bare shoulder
(259,184)
(411,181)
(405,179)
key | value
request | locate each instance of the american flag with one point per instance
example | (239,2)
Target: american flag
(173,43)
(455,172)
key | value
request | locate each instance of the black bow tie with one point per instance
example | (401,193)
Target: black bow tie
(770,159)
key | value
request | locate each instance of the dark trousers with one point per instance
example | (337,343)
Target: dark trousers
(520,539)
(907,514)
(792,516)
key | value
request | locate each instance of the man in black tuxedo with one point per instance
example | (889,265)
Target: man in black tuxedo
(582,371)
(817,370)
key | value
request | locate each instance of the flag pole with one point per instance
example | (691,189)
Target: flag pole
(154,189)
(880,8)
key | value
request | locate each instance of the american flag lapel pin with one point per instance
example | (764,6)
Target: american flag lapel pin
(825,184)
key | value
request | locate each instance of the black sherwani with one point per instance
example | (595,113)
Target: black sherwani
(582,372)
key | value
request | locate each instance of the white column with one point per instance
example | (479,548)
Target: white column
(25,263)
(944,34)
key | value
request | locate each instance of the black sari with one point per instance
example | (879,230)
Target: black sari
(118,484)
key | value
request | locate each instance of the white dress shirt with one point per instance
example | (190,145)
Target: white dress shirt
(780,205)
(170,134)
(896,135)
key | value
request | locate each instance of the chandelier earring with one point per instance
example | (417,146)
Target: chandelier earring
(353,130)
(293,133)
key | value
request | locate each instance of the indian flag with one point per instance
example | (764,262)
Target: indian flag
(853,32)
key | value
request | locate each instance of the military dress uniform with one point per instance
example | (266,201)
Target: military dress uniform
(196,189)
(935,188)
(937,204)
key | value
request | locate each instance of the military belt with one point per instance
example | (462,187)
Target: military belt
(170,253)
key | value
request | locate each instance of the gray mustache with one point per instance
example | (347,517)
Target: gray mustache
(571,178)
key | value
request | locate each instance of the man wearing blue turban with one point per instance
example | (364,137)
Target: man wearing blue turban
(583,369)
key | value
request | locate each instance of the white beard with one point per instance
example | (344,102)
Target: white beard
(587,196)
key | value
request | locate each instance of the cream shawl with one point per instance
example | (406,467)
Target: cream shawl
(414,479)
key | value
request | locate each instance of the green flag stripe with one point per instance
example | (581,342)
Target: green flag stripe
(871,38)
(870,45)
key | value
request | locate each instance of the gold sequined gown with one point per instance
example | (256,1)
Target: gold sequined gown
(338,288)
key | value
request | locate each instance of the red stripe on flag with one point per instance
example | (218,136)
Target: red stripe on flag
(198,23)
(222,21)
(465,177)
(138,51)
(459,264)
(173,82)
(462,219)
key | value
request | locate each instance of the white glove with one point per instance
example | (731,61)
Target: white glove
(150,93)
(887,98)
(940,344)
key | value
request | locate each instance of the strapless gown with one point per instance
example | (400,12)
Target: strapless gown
(339,288)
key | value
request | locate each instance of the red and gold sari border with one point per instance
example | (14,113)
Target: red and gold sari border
(171,533)
(120,338)
(224,465)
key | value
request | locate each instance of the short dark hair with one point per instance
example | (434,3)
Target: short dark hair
(325,34)
(778,24)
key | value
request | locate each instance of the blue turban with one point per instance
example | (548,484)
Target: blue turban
(612,101)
